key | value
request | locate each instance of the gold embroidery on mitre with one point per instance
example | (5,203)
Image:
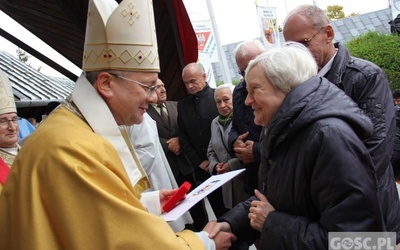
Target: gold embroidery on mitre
(123,39)
(132,14)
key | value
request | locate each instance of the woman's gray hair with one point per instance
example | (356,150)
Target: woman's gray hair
(228,85)
(287,66)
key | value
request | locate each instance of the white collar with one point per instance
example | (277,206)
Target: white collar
(327,66)
(11,151)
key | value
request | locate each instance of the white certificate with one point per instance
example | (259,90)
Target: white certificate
(200,193)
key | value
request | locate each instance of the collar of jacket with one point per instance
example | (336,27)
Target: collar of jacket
(202,92)
(342,58)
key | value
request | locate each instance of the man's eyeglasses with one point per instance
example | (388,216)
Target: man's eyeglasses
(5,122)
(149,89)
(306,42)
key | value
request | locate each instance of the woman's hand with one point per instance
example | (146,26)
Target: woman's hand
(223,168)
(259,211)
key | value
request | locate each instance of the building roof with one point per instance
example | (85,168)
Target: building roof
(32,88)
(351,27)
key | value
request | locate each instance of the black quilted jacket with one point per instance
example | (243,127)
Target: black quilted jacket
(315,171)
(368,86)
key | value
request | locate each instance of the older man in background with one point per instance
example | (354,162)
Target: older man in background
(244,137)
(195,114)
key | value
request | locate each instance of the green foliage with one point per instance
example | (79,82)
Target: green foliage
(381,49)
(234,82)
(334,12)
(22,55)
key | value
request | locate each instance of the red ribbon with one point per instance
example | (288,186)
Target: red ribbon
(4,171)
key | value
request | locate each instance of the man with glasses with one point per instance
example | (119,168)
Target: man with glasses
(365,83)
(150,89)
(77,182)
(8,129)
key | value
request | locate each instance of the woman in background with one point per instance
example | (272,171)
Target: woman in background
(218,154)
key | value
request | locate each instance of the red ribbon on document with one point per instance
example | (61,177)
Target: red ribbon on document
(4,171)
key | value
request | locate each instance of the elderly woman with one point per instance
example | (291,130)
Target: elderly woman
(218,154)
(316,174)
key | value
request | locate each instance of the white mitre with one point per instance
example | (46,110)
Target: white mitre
(120,37)
(7,103)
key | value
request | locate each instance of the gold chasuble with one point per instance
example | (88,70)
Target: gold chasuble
(69,189)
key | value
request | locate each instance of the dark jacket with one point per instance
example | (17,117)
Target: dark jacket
(397,135)
(396,147)
(179,163)
(243,121)
(315,171)
(195,113)
(368,86)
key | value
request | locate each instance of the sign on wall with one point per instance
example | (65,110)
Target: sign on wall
(205,39)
